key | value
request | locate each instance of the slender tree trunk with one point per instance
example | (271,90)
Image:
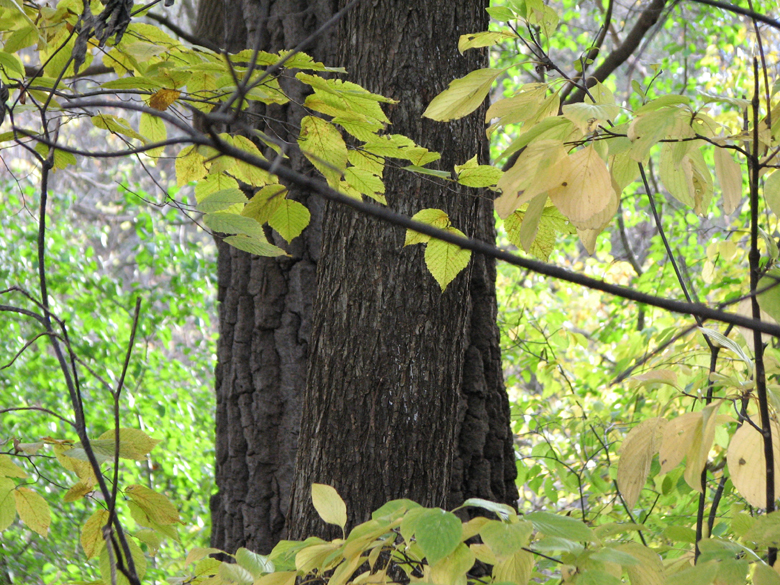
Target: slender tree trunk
(405,395)
(265,307)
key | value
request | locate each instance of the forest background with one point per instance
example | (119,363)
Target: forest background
(582,367)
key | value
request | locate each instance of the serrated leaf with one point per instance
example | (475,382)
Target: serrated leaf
(433,217)
(153,128)
(189,166)
(438,533)
(139,560)
(162,99)
(92,533)
(221,200)
(399,146)
(33,510)
(444,260)
(323,145)
(747,466)
(329,505)
(232,223)
(472,174)
(254,245)
(7,504)
(366,183)
(78,491)
(133,443)
(463,95)
(117,125)
(10,469)
(155,505)
(482,39)
(289,219)
(637,452)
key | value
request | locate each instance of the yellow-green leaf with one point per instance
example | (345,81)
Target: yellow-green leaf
(33,510)
(232,223)
(463,96)
(254,245)
(329,504)
(482,39)
(10,469)
(78,491)
(637,452)
(117,125)
(157,506)
(473,174)
(189,166)
(366,183)
(516,569)
(92,533)
(222,200)
(772,192)
(153,128)
(433,217)
(444,260)
(7,505)
(139,560)
(133,443)
(323,145)
(289,219)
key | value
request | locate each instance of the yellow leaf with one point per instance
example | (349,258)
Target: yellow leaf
(189,166)
(7,505)
(516,569)
(329,504)
(482,39)
(10,469)
(772,192)
(281,578)
(452,569)
(650,568)
(78,491)
(33,510)
(156,506)
(585,193)
(747,466)
(133,443)
(463,96)
(444,260)
(433,217)
(92,533)
(323,145)
(162,99)
(289,219)
(701,445)
(153,129)
(637,452)
(138,559)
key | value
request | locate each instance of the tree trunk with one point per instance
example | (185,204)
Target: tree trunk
(265,308)
(405,394)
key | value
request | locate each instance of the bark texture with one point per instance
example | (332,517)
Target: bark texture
(405,395)
(265,306)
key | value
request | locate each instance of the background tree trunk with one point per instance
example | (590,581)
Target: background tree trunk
(405,395)
(265,307)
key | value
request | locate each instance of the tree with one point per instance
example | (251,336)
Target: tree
(266,306)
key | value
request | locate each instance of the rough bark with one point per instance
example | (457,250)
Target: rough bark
(265,309)
(405,395)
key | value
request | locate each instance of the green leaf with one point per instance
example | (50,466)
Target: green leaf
(254,563)
(503,511)
(221,200)
(231,223)
(438,533)
(289,219)
(444,260)
(506,538)
(329,504)
(12,65)
(701,574)
(561,526)
(254,245)
(463,95)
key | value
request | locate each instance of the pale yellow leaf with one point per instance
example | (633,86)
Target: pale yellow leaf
(323,145)
(444,260)
(10,469)
(329,504)
(584,194)
(729,176)
(772,192)
(153,129)
(516,569)
(281,578)
(649,570)
(747,466)
(7,505)
(433,217)
(133,443)
(701,445)
(463,96)
(678,436)
(33,510)
(78,491)
(637,452)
